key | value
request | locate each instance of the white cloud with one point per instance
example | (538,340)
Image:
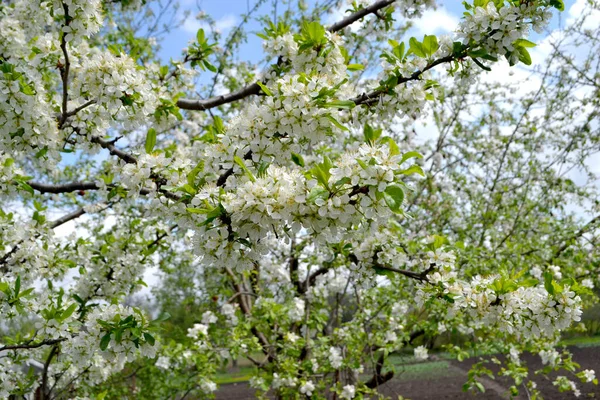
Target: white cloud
(223,24)
(579,8)
(436,21)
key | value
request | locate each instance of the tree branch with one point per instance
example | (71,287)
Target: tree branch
(372,9)
(64,69)
(28,344)
(62,188)
(110,146)
(254,89)
(75,186)
(53,352)
(222,180)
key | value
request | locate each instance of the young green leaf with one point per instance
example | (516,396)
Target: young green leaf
(150,140)
(297,159)
(105,341)
(243,166)
(149,338)
(416,48)
(265,89)
(394,196)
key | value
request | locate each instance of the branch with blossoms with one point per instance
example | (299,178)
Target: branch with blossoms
(255,88)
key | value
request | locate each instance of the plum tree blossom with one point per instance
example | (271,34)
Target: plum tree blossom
(293,212)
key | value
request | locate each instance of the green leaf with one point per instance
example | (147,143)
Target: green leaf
(416,48)
(101,396)
(199,210)
(558,4)
(68,312)
(394,196)
(524,55)
(355,67)
(342,104)
(200,36)
(430,44)
(480,387)
(149,338)
(26,292)
(42,152)
(162,317)
(297,159)
(333,121)
(548,283)
(265,89)
(398,51)
(523,43)
(150,140)
(243,166)
(119,335)
(394,149)
(409,155)
(413,169)
(480,65)
(25,186)
(209,66)
(105,341)
(17,286)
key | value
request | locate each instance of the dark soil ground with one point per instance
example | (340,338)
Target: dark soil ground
(445,383)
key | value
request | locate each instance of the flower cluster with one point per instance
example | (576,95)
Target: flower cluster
(119,89)
(26,120)
(497,29)
(83,18)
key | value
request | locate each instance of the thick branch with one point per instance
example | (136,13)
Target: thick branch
(53,352)
(63,187)
(73,187)
(378,378)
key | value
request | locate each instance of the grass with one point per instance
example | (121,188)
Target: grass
(243,374)
(402,363)
(582,341)
(429,370)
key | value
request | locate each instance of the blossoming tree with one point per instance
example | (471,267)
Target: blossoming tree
(295,202)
